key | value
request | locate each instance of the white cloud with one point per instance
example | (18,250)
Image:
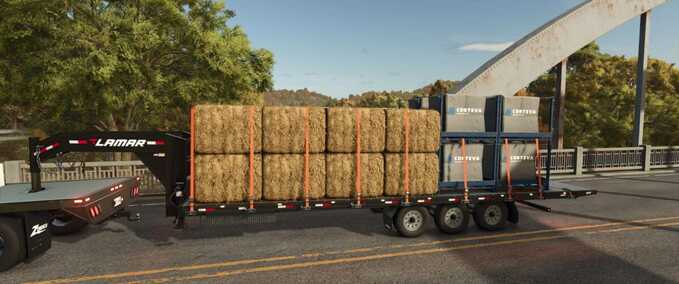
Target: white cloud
(486,46)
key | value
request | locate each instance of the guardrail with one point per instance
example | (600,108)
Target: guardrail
(578,160)
(572,161)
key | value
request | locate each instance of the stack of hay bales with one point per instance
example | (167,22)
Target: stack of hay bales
(284,130)
(423,143)
(346,128)
(322,150)
(222,147)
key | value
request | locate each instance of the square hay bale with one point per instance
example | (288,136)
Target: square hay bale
(284,130)
(224,178)
(424,174)
(425,128)
(284,176)
(341,175)
(342,130)
(223,129)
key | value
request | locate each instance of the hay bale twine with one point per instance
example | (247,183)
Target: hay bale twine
(342,130)
(224,178)
(284,176)
(424,174)
(425,131)
(341,176)
(223,129)
(284,130)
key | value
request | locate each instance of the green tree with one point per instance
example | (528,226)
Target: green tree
(123,65)
(600,97)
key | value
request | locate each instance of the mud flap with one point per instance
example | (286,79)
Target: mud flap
(388,217)
(38,238)
(512,213)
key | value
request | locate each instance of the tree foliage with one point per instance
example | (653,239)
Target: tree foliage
(600,96)
(302,97)
(123,65)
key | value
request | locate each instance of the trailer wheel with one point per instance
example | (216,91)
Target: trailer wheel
(65,224)
(451,219)
(410,221)
(12,249)
(491,216)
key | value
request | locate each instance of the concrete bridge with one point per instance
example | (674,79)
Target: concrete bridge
(551,44)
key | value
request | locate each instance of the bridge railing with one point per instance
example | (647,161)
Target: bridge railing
(571,161)
(19,172)
(578,160)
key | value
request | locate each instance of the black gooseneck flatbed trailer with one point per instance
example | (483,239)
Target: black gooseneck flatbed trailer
(27,210)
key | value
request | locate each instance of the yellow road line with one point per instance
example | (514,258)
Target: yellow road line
(654,226)
(318,254)
(165,270)
(309,264)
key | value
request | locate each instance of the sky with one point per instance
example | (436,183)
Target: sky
(342,47)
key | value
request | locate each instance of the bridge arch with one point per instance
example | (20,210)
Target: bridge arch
(527,59)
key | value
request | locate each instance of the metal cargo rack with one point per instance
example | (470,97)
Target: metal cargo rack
(496,139)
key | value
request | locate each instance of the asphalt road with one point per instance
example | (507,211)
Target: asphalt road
(629,233)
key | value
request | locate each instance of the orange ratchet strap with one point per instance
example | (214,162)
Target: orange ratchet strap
(465,171)
(538,165)
(508,163)
(192,156)
(251,170)
(306,158)
(406,161)
(358,157)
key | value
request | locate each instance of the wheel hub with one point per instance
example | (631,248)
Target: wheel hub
(413,220)
(492,215)
(453,217)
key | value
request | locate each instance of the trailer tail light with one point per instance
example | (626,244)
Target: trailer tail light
(112,189)
(81,201)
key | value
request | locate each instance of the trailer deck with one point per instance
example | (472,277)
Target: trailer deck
(62,195)
(557,190)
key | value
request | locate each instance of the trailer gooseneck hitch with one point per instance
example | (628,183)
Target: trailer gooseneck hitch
(165,154)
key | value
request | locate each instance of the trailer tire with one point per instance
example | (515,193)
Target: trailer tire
(451,219)
(491,216)
(12,248)
(410,222)
(66,224)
